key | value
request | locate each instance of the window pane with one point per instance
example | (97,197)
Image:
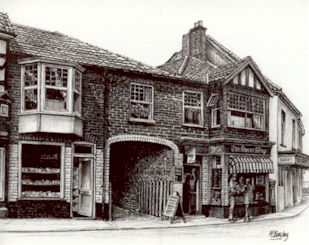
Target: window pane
(56,100)
(56,76)
(31,99)
(76,105)
(193,99)
(141,93)
(257,121)
(77,81)
(31,75)
(193,116)
(237,119)
(142,111)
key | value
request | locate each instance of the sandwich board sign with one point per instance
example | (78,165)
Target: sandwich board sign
(173,207)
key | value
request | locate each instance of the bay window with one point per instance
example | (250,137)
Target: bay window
(50,87)
(246,112)
(192,108)
(51,97)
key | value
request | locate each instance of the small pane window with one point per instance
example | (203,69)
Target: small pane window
(77,90)
(141,101)
(56,76)
(193,108)
(31,75)
(56,100)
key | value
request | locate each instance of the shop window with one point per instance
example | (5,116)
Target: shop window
(2,174)
(56,87)
(216,179)
(141,100)
(193,108)
(41,171)
(246,112)
(282,128)
(4,110)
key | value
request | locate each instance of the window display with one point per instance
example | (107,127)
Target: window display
(41,171)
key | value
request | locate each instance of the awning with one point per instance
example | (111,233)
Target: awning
(250,164)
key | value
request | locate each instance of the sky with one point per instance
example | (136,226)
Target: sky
(274,32)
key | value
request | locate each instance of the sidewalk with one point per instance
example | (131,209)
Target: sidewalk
(130,223)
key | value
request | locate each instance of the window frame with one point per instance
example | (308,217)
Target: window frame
(214,117)
(62,169)
(293,133)
(41,87)
(283,127)
(246,112)
(2,173)
(6,110)
(151,119)
(201,125)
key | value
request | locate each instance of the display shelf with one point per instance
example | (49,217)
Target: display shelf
(40,194)
(40,183)
(40,170)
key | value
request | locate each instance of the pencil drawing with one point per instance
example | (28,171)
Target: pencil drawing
(94,138)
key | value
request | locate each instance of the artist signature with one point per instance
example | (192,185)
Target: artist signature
(278,235)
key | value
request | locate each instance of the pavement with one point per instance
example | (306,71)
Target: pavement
(132,222)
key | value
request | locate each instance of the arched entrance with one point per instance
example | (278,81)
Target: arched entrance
(132,161)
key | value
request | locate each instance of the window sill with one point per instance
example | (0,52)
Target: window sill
(142,121)
(216,126)
(282,145)
(60,113)
(252,129)
(192,125)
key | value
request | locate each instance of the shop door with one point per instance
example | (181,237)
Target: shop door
(83,187)
(191,189)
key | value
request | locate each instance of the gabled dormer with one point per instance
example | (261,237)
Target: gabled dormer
(245,95)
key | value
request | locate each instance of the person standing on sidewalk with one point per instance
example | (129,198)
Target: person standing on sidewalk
(248,198)
(232,192)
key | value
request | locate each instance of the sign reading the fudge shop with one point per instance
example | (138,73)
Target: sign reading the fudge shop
(245,149)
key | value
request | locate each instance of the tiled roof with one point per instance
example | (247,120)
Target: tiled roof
(54,45)
(222,72)
(188,67)
(5,24)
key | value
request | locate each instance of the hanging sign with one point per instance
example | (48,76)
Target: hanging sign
(191,155)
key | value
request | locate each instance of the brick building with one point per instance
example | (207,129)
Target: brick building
(88,127)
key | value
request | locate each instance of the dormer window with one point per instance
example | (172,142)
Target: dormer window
(50,97)
(51,88)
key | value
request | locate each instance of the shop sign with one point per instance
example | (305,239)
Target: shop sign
(178,174)
(216,149)
(191,155)
(286,160)
(243,149)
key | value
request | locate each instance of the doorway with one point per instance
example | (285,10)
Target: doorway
(82,193)
(191,189)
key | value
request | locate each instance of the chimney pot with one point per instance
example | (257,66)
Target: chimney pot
(200,23)
(196,24)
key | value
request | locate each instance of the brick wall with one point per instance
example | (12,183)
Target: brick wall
(13,173)
(99,175)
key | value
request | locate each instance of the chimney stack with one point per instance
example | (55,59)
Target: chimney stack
(194,42)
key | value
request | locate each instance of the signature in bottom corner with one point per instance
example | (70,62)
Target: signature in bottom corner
(278,235)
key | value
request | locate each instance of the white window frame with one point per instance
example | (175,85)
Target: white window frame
(246,112)
(214,123)
(151,119)
(2,174)
(41,88)
(4,110)
(193,107)
(62,169)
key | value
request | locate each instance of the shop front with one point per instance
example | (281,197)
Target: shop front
(290,177)
(54,179)
(250,164)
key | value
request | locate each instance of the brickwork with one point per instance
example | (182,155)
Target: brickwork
(13,173)
(99,175)
(67,173)
(225,182)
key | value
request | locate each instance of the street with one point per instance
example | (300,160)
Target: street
(291,230)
